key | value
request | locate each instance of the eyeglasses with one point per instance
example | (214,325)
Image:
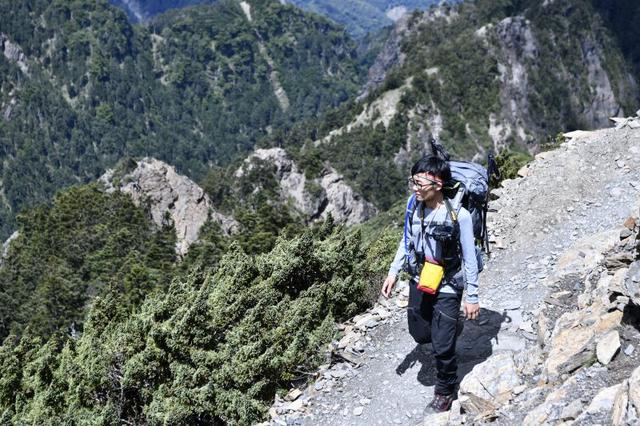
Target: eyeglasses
(413,183)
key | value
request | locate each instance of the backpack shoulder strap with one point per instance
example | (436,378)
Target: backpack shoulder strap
(453,213)
(408,220)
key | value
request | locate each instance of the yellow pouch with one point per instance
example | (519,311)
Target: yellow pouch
(430,277)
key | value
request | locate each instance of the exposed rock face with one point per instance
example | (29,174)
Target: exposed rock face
(158,186)
(517,45)
(13,53)
(603,103)
(335,196)
(342,202)
(390,56)
(6,245)
(380,111)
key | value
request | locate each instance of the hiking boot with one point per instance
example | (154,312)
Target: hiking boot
(439,404)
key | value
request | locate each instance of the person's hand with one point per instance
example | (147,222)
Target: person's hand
(388,285)
(471,310)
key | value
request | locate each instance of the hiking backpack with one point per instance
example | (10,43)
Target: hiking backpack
(468,188)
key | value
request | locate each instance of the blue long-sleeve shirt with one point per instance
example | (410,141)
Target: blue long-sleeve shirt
(432,249)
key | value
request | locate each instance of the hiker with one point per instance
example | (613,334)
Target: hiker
(436,250)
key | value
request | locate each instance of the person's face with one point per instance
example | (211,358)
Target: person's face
(425,186)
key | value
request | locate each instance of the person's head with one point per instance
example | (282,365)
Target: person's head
(428,176)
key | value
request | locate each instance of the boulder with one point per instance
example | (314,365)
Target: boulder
(529,361)
(620,405)
(602,402)
(572,343)
(553,406)
(475,405)
(572,410)
(524,171)
(492,380)
(617,281)
(630,223)
(607,347)
(632,282)
(586,254)
(634,390)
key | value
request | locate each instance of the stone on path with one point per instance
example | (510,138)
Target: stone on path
(602,402)
(493,379)
(572,410)
(436,419)
(607,347)
(629,350)
(553,405)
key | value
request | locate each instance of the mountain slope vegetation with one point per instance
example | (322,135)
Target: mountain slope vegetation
(480,76)
(189,353)
(360,17)
(81,87)
(101,323)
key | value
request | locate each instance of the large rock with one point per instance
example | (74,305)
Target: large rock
(492,380)
(634,391)
(13,53)
(603,402)
(620,405)
(476,406)
(632,282)
(7,244)
(573,342)
(553,407)
(157,185)
(607,347)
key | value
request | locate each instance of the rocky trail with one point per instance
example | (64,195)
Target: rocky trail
(557,339)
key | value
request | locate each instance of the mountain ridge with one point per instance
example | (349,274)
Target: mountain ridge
(99,88)
(358,16)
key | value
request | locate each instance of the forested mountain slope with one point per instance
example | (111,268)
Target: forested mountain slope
(81,87)
(101,321)
(481,76)
(358,16)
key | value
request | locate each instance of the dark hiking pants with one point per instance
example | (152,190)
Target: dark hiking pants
(433,319)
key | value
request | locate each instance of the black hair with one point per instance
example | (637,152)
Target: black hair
(433,165)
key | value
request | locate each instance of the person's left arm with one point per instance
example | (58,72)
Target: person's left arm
(471,304)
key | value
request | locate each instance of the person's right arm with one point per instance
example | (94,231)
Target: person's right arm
(394,270)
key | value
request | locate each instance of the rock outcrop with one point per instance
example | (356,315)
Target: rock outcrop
(169,195)
(390,56)
(517,47)
(314,198)
(6,245)
(13,53)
